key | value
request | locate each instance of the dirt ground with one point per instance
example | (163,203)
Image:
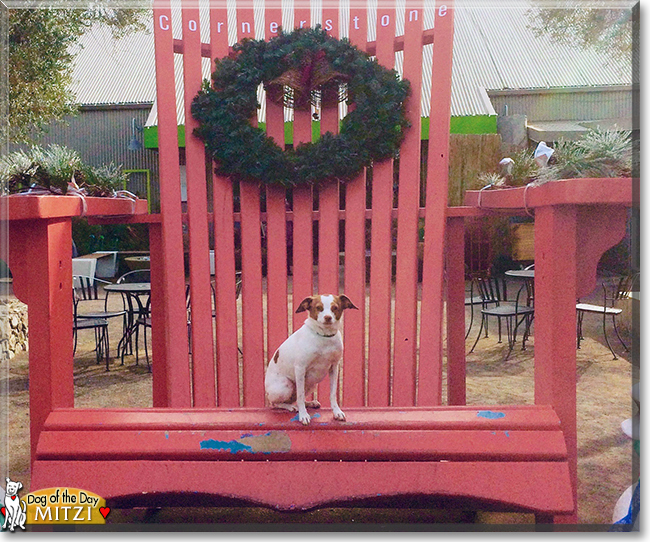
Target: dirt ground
(606,464)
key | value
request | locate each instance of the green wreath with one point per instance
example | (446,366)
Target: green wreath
(309,63)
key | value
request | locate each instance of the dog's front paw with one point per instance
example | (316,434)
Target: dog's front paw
(339,415)
(304,418)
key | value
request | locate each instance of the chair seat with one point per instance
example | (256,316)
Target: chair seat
(456,451)
(89,323)
(508,310)
(102,314)
(586,307)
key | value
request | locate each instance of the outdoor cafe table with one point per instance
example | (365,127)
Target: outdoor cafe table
(528,275)
(136,308)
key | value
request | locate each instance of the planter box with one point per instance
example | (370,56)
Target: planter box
(615,191)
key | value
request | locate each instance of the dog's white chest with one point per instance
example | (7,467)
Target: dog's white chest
(312,352)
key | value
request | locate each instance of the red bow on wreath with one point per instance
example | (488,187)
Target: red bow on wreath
(297,87)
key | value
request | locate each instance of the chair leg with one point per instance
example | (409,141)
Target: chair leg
(471,319)
(137,344)
(98,345)
(146,348)
(618,334)
(107,346)
(511,333)
(579,337)
(607,338)
(478,335)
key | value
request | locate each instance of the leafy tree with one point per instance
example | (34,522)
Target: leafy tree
(593,23)
(40,61)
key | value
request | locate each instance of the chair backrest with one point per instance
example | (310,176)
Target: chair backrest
(85,288)
(83,267)
(323,232)
(139,275)
(492,289)
(619,288)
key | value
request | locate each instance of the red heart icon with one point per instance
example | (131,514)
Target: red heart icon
(104,511)
(13,497)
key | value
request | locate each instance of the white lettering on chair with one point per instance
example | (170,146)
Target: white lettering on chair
(192,25)
(385,20)
(164,25)
(442,11)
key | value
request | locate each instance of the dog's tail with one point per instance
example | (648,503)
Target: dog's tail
(24,506)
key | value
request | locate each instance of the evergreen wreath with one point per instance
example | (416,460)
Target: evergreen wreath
(308,62)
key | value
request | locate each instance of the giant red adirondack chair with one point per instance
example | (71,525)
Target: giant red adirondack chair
(400,439)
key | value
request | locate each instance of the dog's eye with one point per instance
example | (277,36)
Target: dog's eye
(319,308)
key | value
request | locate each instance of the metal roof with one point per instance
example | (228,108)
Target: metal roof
(494,49)
(109,71)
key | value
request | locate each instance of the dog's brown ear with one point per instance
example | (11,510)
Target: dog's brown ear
(346,303)
(305,304)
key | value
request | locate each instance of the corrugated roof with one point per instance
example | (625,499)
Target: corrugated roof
(109,71)
(494,49)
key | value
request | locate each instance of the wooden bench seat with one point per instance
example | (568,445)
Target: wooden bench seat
(468,452)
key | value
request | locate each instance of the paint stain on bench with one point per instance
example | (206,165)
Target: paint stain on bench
(490,414)
(297,417)
(271,442)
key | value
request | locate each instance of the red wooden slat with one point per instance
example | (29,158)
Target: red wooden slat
(354,354)
(302,204)
(379,351)
(203,362)
(406,278)
(251,256)
(456,389)
(175,319)
(159,369)
(358,31)
(486,417)
(224,259)
(430,376)
(328,224)
(276,274)
(299,444)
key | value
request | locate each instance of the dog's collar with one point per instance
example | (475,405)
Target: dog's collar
(323,334)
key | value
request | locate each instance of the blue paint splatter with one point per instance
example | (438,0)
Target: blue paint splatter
(297,417)
(232,445)
(166,434)
(490,415)
(507,433)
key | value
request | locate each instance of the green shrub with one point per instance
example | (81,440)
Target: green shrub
(52,168)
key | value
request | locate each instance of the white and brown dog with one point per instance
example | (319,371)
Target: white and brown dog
(307,355)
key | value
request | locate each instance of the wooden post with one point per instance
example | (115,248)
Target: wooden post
(555,324)
(40,253)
